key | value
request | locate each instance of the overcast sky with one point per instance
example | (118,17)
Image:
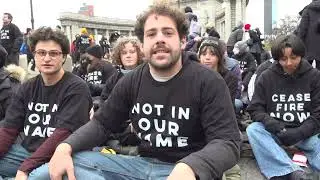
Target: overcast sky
(46,12)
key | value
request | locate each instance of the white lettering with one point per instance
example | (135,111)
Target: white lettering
(167,142)
(146,123)
(182,141)
(173,128)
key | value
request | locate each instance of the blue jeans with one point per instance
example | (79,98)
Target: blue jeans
(98,166)
(11,162)
(272,158)
(238,105)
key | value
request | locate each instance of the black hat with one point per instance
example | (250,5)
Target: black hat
(3,56)
(213,42)
(188,9)
(95,51)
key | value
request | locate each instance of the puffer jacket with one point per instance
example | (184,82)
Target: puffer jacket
(10,79)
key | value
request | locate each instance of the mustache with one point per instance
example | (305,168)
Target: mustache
(160,48)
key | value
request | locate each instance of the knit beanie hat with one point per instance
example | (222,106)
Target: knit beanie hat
(95,51)
(3,56)
(214,42)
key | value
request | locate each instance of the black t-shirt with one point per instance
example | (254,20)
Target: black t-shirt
(173,118)
(82,43)
(100,73)
(8,38)
(38,110)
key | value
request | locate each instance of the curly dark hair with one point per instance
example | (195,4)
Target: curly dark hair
(46,34)
(119,46)
(162,9)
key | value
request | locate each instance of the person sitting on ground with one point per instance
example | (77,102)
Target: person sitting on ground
(46,108)
(127,55)
(211,54)
(98,70)
(285,106)
(265,55)
(181,110)
(10,79)
(246,61)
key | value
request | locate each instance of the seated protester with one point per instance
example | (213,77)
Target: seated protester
(265,55)
(262,67)
(181,110)
(98,70)
(233,66)
(285,105)
(211,54)
(246,61)
(127,55)
(47,108)
(10,79)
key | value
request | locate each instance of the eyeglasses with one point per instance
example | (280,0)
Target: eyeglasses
(43,53)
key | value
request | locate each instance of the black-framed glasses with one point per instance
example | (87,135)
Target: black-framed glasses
(42,53)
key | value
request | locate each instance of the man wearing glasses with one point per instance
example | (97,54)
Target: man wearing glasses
(45,109)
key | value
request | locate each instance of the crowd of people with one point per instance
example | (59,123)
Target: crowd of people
(167,103)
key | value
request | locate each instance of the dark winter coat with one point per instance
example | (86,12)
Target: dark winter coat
(10,79)
(235,36)
(309,30)
(247,65)
(232,83)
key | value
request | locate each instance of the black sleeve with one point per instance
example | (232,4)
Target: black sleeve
(108,119)
(221,133)
(233,85)
(311,125)
(239,35)
(252,66)
(246,79)
(95,89)
(18,39)
(15,114)
(108,71)
(110,83)
(304,25)
(74,110)
(257,107)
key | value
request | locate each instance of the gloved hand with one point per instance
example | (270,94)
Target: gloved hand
(290,136)
(274,126)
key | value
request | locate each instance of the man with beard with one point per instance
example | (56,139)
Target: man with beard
(11,39)
(181,110)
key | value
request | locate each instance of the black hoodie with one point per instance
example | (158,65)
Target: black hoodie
(292,99)
(309,30)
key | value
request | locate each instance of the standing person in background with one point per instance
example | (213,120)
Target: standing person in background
(235,36)
(11,39)
(82,42)
(309,31)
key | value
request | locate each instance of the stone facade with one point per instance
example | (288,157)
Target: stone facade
(71,24)
(223,14)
